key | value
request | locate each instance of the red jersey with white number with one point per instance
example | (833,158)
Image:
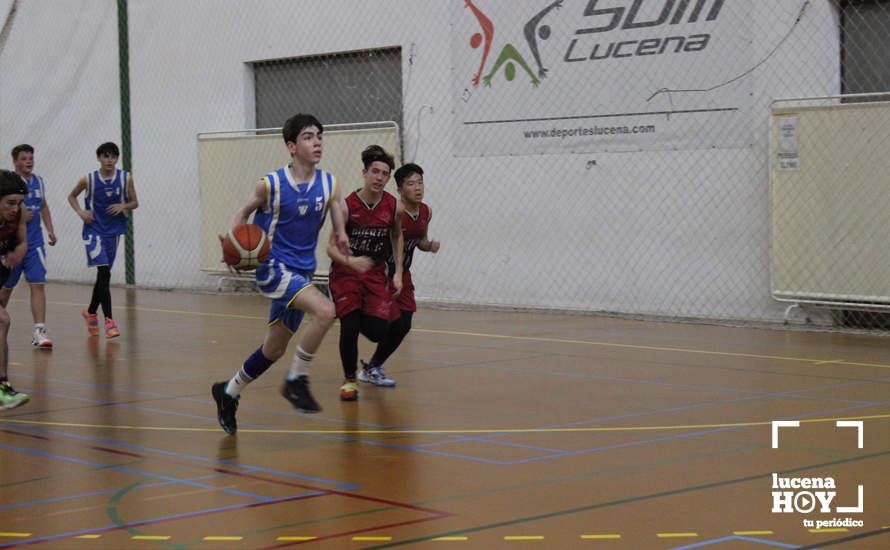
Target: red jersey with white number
(414,228)
(368,225)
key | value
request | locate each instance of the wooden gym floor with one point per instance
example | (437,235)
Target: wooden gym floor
(506,430)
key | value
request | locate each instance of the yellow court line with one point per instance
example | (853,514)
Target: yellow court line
(150,537)
(371,539)
(296,538)
(524,537)
(743,533)
(451,538)
(538,339)
(17,535)
(443,431)
(223,538)
(676,535)
(88,537)
(601,537)
(831,530)
(649,348)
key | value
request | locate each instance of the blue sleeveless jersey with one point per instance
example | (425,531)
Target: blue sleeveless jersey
(100,195)
(293,216)
(34,203)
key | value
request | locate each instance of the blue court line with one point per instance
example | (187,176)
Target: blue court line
(98,493)
(342,486)
(560,454)
(113,527)
(735,537)
(557,454)
(124,469)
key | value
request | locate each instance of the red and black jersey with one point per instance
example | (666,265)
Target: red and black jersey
(9,234)
(9,239)
(413,230)
(368,226)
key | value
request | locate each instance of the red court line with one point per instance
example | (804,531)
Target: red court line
(436,514)
(33,436)
(335,492)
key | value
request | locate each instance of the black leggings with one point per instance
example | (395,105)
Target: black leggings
(398,329)
(101,291)
(374,329)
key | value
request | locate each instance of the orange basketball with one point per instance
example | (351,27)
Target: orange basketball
(245,247)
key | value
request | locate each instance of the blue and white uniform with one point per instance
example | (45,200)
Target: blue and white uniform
(34,263)
(291,218)
(101,237)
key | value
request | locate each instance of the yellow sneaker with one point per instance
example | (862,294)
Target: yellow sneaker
(349,390)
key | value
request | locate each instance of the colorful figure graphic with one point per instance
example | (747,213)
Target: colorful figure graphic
(543,32)
(508,55)
(477,39)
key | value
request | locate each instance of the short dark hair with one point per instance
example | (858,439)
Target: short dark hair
(406,170)
(297,124)
(376,153)
(11,184)
(108,148)
(23,148)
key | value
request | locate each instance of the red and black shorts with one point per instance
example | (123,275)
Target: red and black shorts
(405,300)
(370,292)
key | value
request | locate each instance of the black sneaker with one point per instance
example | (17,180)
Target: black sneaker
(297,392)
(226,405)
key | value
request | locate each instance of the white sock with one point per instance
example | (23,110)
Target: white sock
(237,383)
(300,365)
(39,326)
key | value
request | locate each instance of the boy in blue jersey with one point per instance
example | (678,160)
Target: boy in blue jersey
(290,205)
(35,211)
(109,193)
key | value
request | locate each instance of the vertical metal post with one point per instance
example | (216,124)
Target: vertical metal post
(123,48)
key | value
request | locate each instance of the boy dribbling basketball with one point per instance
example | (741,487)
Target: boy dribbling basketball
(290,205)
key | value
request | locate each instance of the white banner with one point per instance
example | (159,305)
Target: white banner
(545,76)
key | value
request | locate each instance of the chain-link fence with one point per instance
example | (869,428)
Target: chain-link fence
(607,156)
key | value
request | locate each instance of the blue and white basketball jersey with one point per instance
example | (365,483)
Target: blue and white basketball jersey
(100,195)
(293,216)
(34,203)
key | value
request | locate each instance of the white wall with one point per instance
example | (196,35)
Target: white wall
(667,232)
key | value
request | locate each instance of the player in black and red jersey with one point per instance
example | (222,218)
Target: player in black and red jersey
(415,224)
(13,247)
(364,300)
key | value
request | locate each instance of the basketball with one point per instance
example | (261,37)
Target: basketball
(245,247)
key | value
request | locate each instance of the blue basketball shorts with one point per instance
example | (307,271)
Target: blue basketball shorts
(282,285)
(33,265)
(101,249)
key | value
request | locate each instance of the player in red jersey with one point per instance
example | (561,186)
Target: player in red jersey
(13,247)
(415,223)
(364,300)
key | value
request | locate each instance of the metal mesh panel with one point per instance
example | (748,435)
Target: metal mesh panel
(578,155)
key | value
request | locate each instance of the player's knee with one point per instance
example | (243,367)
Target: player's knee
(5,321)
(327,314)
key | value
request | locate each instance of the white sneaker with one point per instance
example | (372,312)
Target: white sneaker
(374,375)
(41,340)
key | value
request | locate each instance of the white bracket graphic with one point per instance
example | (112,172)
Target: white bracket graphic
(852,424)
(782,424)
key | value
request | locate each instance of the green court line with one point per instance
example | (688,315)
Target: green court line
(628,500)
